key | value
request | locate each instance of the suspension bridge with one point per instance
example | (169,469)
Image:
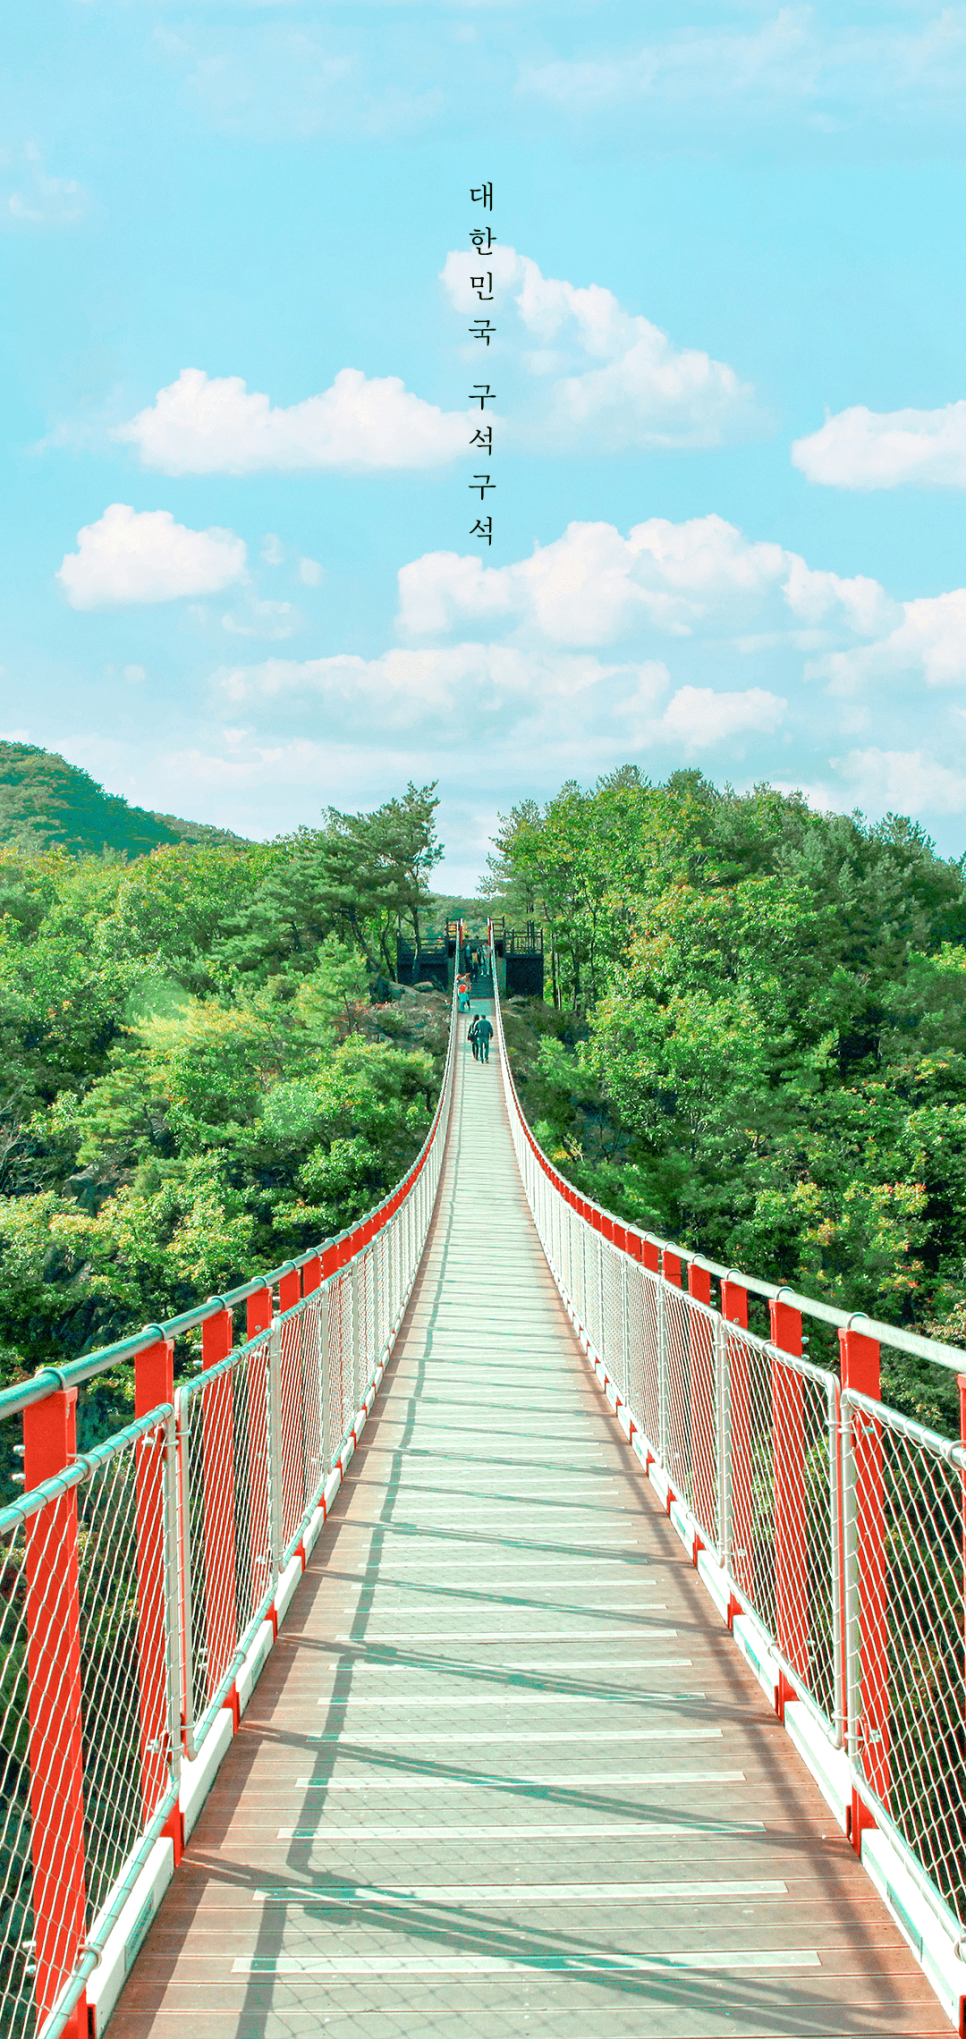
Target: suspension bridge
(495,1634)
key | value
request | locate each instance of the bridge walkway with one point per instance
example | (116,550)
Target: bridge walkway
(505,1773)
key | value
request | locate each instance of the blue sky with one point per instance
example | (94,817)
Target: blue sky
(729,431)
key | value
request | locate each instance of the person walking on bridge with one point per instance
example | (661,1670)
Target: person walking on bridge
(484,1035)
(472,1036)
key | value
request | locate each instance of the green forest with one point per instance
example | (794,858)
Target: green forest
(752,1040)
(206,1064)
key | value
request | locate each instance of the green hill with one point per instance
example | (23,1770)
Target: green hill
(45,803)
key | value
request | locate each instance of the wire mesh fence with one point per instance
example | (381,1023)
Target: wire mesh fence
(128,1630)
(747,1435)
(841,1527)
(132,1583)
(905,1548)
(228,1450)
(87,1703)
(783,1511)
(259,1434)
(690,1396)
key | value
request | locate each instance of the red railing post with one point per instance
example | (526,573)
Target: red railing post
(734,1309)
(153,1387)
(703,1423)
(55,1748)
(258,1318)
(289,1290)
(861,1373)
(699,1282)
(218,1433)
(258,1312)
(788,1460)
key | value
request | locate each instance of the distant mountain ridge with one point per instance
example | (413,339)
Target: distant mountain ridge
(46,804)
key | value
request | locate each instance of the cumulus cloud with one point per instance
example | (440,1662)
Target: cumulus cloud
(902,780)
(459,681)
(204,424)
(862,449)
(668,642)
(699,718)
(593,585)
(131,556)
(575,708)
(816,595)
(711,600)
(609,373)
(929,642)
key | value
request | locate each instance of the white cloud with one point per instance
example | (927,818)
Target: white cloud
(862,449)
(130,556)
(902,780)
(36,199)
(722,599)
(205,424)
(699,717)
(486,694)
(572,712)
(815,595)
(135,675)
(413,683)
(310,573)
(273,551)
(610,373)
(580,706)
(929,642)
(592,584)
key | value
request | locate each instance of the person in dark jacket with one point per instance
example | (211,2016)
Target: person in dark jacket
(484,1035)
(473,1036)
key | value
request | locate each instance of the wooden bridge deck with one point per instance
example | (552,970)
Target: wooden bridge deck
(505,1773)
